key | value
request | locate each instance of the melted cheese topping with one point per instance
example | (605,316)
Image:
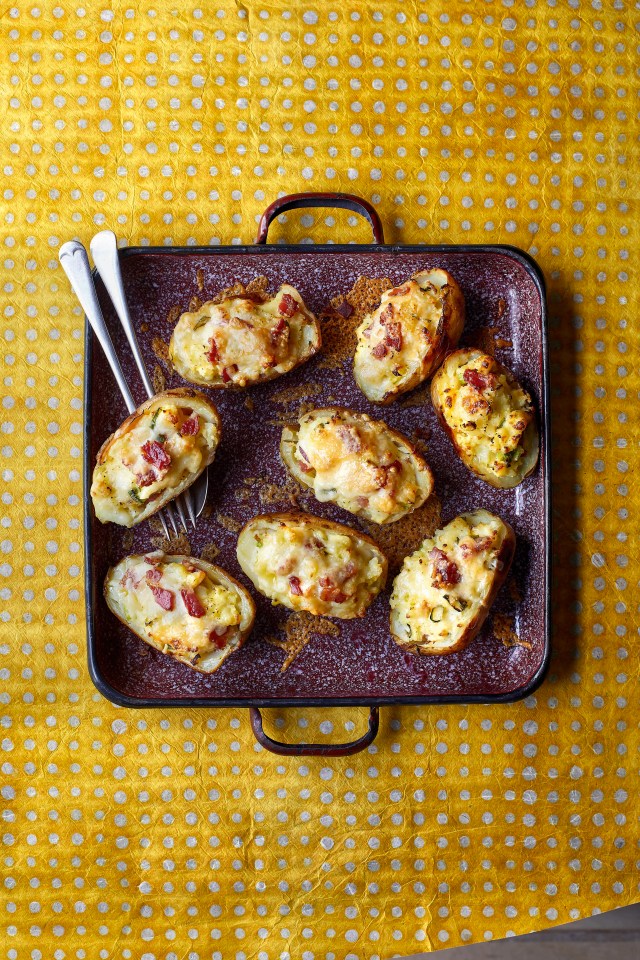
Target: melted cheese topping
(442,586)
(239,341)
(395,342)
(311,568)
(133,591)
(357,463)
(488,412)
(127,480)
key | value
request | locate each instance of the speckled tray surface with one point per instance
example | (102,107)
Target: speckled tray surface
(358,662)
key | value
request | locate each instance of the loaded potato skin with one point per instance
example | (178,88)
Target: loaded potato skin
(159,450)
(186,608)
(356,462)
(306,563)
(444,591)
(489,417)
(240,341)
(405,339)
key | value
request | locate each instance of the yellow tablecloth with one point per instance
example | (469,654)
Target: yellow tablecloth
(171,834)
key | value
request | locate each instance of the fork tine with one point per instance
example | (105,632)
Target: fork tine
(180,505)
(188,501)
(164,525)
(172,517)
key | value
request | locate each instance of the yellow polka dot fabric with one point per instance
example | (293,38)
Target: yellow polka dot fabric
(171,834)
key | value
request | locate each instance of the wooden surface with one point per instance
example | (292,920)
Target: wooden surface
(607,936)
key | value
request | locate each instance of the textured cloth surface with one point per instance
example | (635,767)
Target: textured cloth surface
(171,834)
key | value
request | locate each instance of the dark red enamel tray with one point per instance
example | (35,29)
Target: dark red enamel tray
(504,291)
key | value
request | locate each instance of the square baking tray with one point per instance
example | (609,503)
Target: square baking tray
(505,297)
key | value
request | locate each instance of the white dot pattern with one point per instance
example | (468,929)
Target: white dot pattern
(144,835)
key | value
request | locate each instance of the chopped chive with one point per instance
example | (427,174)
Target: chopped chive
(134,493)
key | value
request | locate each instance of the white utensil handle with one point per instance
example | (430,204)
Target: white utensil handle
(75,264)
(104,250)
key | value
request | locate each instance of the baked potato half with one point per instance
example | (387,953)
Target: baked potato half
(405,339)
(239,341)
(156,454)
(358,463)
(186,608)
(488,415)
(444,591)
(307,563)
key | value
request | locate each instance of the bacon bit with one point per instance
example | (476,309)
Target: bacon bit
(280,331)
(153,576)
(164,598)
(344,309)
(362,501)
(445,571)
(213,355)
(192,603)
(379,351)
(154,558)
(145,479)
(367,332)
(219,639)
(155,454)
(468,549)
(288,306)
(382,473)
(350,439)
(393,337)
(477,380)
(399,291)
(294,586)
(305,467)
(387,314)
(191,427)
(227,372)
(330,592)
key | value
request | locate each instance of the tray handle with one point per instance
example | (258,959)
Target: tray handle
(315,749)
(345,200)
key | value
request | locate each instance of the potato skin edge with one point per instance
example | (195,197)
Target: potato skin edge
(312,521)
(314,346)
(289,436)
(178,393)
(529,461)
(505,555)
(218,575)
(453,325)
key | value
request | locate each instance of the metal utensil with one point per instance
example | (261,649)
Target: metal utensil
(75,263)
(104,250)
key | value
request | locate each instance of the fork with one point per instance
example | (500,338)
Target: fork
(104,250)
(75,263)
